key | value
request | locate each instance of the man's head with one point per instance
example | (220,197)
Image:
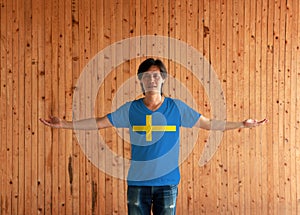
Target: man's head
(152,74)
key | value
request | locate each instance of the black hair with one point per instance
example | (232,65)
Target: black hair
(146,64)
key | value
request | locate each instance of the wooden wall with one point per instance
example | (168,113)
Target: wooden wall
(254,49)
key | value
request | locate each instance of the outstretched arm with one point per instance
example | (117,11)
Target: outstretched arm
(209,124)
(85,124)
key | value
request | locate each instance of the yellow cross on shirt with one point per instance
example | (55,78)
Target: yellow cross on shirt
(149,128)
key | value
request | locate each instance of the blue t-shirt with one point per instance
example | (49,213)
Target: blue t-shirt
(154,138)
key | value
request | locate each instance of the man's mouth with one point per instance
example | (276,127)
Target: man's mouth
(152,86)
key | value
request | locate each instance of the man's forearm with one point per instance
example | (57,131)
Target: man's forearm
(84,124)
(234,125)
(91,123)
(221,125)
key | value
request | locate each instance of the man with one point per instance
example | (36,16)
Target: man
(154,123)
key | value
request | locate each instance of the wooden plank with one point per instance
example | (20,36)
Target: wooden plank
(74,162)
(246,104)
(48,108)
(186,193)
(254,181)
(21,60)
(287,106)
(293,17)
(240,31)
(41,189)
(95,203)
(234,110)
(133,13)
(6,97)
(9,109)
(86,39)
(27,107)
(100,107)
(61,98)
(231,156)
(217,69)
(282,100)
(257,109)
(117,21)
(181,206)
(264,103)
(204,46)
(127,31)
(34,105)
(275,117)
(171,53)
(213,35)
(68,162)
(223,166)
(192,22)
(55,106)
(107,100)
(270,144)
(16,108)
(239,104)
(82,54)
(297,66)
(3,95)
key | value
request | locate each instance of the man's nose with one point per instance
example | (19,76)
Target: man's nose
(152,79)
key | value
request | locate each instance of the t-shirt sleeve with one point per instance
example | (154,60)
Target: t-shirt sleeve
(120,117)
(188,115)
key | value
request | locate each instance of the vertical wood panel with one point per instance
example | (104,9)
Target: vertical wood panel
(34,105)
(15,107)
(76,70)
(253,47)
(3,77)
(240,34)
(287,108)
(61,99)
(107,100)
(270,101)
(223,196)
(69,156)
(263,105)
(296,75)
(27,106)
(256,36)
(41,189)
(297,63)
(48,107)
(9,109)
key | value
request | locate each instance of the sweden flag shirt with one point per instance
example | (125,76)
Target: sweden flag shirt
(154,139)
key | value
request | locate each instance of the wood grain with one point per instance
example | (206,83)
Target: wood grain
(253,47)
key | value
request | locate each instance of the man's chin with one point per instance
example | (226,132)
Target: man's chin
(152,91)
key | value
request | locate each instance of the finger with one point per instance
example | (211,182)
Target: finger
(45,122)
(263,121)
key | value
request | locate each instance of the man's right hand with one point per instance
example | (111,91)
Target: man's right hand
(54,122)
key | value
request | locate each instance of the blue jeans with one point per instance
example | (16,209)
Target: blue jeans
(162,200)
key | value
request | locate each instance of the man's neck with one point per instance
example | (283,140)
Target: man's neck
(153,100)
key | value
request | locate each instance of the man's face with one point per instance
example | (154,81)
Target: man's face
(152,80)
